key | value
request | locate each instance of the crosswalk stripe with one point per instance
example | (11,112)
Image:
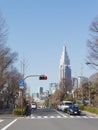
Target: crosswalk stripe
(67,117)
(32,117)
(59,117)
(78,116)
(45,116)
(91,117)
(39,117)
(52,117)
(71,116)
(84,116)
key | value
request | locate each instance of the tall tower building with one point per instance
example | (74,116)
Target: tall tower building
(64,67)
(40,91)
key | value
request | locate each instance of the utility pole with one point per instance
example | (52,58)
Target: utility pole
(21,88)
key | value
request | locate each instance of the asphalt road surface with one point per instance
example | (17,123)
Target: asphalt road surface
(46,119)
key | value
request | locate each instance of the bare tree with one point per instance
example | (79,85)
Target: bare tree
(12,84)
(3,30)
(66,85)
(6,56)
(92,45)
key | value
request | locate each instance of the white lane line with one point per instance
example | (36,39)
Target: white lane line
(1,120)
(4,128)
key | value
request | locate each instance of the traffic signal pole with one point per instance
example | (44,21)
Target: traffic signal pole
(44,77)
(21,84)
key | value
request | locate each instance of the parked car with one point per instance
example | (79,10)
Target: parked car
(59,107)
(73,110)
(65,105)
(33,105)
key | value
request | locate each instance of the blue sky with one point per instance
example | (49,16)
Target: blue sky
(38,29)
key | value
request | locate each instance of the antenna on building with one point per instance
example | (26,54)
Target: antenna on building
(81,69)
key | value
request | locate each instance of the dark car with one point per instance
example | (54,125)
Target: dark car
(73,110)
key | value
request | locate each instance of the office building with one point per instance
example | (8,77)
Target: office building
(64,67)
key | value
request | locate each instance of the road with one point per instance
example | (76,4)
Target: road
(46,119)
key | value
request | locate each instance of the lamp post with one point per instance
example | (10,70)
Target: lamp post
(89,83)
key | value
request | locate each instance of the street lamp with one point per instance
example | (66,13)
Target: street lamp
(94,65)
(88,63)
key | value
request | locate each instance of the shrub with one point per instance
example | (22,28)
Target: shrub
(91,109)
(81,107)
(18,111)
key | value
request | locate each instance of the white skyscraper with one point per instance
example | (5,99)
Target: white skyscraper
(64,67)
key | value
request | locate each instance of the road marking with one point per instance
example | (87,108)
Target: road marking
(1,120)
(78,116)
(52,117)
(45,116)
(59,117)
(72,116)
(64,116)
(4,128)
(32,117)
(84,117)
(39,117)
(91,117)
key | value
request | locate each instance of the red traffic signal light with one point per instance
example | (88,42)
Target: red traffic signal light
(43,77)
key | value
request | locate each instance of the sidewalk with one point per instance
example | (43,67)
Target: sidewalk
(89,113)
(6,113)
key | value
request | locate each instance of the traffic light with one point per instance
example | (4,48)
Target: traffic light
(43,77)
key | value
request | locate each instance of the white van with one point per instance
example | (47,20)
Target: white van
(33,105)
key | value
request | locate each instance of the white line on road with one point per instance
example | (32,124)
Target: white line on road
(4,128)
(1,120)
(52,117)
(45,116)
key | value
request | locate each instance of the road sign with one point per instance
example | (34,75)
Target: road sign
(21,83)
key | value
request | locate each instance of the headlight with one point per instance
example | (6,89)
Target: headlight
(71,110)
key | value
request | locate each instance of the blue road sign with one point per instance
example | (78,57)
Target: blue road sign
(21,83)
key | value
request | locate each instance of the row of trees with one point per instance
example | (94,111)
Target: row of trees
(9,75)
(88,90)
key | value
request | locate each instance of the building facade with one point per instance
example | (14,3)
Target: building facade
(53,87)
(64,67)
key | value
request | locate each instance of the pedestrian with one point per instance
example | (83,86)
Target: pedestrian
(28,110)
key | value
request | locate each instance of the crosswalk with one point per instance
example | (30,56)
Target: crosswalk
(58,117)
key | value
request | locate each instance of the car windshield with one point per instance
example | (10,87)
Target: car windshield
(68,103)
(74,107)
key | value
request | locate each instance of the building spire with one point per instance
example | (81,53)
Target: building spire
(65,70)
